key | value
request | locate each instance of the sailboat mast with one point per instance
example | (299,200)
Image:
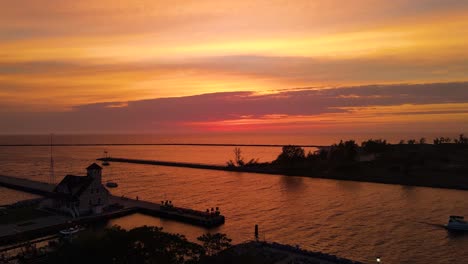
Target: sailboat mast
(52,175)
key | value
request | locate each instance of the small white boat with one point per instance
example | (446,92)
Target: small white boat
(112,184)
(70,231)
(457,223)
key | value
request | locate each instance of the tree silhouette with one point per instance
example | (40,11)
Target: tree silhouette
(374,146)
(293,152)
(351,150)
(140,245)
(344,151)
(213,243)
(462,139)
(291,155)
(238,159)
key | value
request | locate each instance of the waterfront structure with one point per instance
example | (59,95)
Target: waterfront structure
(114,207)
(80,195)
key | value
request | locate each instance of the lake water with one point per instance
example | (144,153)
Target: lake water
(351,219)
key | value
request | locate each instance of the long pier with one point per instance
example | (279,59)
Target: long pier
(166,163)
(192,165)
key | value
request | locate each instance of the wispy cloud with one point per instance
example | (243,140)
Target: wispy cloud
(359,107)
(56,85)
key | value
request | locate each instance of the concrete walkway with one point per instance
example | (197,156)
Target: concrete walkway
(27,185)
(20,228)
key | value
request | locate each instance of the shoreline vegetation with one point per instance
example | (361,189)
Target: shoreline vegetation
(150,244)
(146,244)
(442,164)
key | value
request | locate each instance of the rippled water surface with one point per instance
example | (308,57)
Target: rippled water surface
(350,219)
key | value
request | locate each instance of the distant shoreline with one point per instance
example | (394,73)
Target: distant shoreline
(426,178)
(156,144)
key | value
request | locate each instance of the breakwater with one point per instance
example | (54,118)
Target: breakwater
(363,173)
(190,165)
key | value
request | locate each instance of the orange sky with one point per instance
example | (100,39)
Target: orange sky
(61,54)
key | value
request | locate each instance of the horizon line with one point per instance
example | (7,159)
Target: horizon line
(159,144)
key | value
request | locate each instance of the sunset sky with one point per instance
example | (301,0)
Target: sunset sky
(70,66)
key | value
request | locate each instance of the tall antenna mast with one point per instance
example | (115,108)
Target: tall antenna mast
(52,175)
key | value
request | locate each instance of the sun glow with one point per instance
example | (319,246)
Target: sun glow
(57,56)
(352,117)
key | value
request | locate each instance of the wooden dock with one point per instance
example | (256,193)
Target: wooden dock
(128,206)
(30,229)
(199,218)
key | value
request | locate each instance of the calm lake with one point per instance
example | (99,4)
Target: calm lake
(350,219)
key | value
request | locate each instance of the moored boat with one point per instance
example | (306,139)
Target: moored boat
(70,231)
(111,184)
(457,223)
